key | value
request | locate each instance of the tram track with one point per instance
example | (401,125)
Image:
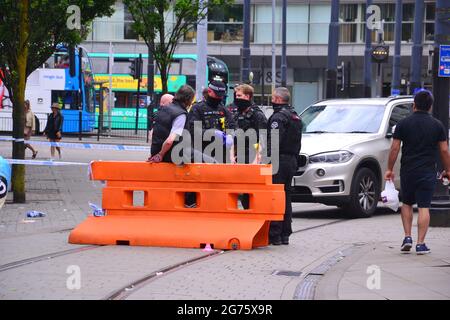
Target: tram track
(28,261)
(126,291)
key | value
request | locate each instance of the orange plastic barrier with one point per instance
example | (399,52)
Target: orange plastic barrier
(162,218)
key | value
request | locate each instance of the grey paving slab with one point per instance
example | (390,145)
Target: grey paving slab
(64,192)
(102,271)
(24,247)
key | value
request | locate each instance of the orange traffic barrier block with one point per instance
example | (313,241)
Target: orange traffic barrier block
(146,205)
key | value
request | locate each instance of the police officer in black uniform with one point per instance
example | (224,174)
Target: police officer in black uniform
(289,124)
(213,115)
(169,124)
(249,116)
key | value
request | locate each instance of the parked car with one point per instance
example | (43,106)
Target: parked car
(344,154)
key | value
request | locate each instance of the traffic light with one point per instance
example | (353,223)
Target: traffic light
(133,68)
(380,53)
(136,68)
(340,76)
(72,65)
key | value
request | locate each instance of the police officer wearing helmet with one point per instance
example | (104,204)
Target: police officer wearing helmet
(249,116)
(213,115)
(169,124)
(289,124)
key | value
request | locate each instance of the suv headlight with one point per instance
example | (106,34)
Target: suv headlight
(331,157)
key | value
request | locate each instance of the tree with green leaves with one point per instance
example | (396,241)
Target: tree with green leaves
(163,23)
(30,30)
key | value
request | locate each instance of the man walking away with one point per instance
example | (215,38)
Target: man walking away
(289,124)
(423,137)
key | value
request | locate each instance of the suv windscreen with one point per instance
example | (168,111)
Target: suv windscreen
(343,119)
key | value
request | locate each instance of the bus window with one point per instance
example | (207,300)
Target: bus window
(67,99)
(90,96)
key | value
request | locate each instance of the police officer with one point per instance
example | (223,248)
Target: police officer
(289,124)
(169,124)
(212,114)
(251,120)
(249,116)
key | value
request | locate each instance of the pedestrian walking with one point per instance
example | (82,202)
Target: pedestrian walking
(421,138)
(30,127)
(289,125)
(53,129)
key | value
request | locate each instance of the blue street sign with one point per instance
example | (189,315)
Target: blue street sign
(444,61)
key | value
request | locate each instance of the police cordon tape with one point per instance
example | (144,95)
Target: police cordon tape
(45,162)
(84,146)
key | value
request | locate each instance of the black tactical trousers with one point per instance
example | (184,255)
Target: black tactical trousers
(286,171)
(190,198)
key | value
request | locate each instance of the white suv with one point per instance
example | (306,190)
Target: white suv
(344,154)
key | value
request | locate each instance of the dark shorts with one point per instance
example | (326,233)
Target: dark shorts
(418,188)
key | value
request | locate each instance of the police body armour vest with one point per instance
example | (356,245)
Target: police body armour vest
(292,143)
(163,125)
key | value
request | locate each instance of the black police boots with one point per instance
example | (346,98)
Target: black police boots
(276,241)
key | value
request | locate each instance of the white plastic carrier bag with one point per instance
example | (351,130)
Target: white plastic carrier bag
(389,196)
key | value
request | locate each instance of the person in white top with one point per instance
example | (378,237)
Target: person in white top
(30,127)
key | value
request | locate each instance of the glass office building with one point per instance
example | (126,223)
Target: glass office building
(307,41)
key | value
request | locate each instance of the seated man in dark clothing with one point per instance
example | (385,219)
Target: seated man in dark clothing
(169,125)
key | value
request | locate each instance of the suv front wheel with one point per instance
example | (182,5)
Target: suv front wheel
(364,194)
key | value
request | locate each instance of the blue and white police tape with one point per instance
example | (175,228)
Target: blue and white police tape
(45,162)
(91,146)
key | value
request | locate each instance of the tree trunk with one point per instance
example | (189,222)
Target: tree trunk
(164,77)
(18,97)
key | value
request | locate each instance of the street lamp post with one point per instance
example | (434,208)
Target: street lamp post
(440,205)
(367,57)
(202,52)
(246,43)
(283,45)
(416,58)
(150,89)
(333,48)
(274,58)
(395,88)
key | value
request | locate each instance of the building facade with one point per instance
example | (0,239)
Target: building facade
(307,43)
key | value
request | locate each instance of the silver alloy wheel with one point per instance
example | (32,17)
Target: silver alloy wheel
(366,193)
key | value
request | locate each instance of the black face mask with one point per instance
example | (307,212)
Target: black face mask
(242,104)
(278,106)
(212,102)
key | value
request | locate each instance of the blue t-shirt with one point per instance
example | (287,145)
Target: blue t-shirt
(420,134)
